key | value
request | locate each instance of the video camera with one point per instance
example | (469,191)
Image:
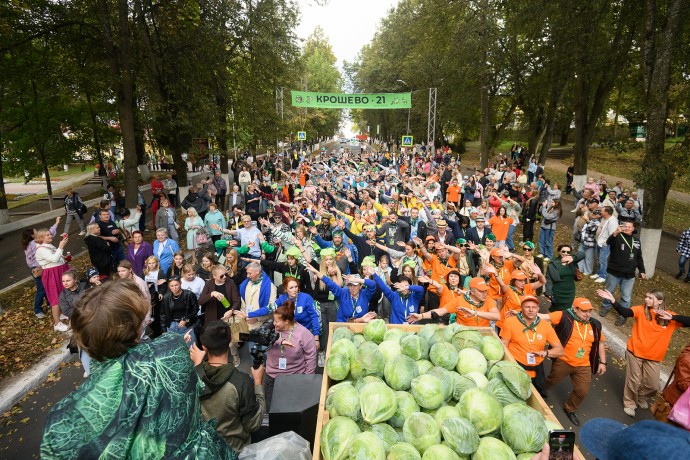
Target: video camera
(263,337)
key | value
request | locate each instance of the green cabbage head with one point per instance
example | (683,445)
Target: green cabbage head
(523,428)
(375,330)
(460,435)
(421,431)
(400,371)
(367,446)
(493,449)
(336,437)
(377,402)
(428,391)
(403,451)
(482,409)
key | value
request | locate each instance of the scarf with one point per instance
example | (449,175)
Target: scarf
(532,327)
(469,300)
(264,290)
(571,312)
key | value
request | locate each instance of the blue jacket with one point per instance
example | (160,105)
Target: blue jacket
(347,307)
(166,257)
(305,311)
(401,308)
(323,244)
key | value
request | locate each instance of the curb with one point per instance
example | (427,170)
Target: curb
(19,385)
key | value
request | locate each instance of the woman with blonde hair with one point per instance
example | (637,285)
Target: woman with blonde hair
(51,260)
(194,225)
(235,266)
(157,285)
(108,324)
(126,272)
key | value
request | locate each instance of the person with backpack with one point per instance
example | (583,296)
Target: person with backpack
(74,208)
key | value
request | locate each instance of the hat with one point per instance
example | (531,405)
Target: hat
(91,272)
(274,186)
(496,252)
(370,227)
(441,223)
(608,439)
(529,297)
(480,219)
(368,261)
(491,237)
(328,252)
(430,237)
(337,233)
(529,244)
(409,263)
(479,283)
(518,275)
(465,177)
(294,252)
(582,303)
(355,277)
(462,241)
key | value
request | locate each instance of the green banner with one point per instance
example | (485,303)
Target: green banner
(351,101)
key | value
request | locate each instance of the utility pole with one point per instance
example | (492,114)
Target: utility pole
(431,125)
(232,115)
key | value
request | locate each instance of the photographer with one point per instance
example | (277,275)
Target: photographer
(231,397)
(293,353)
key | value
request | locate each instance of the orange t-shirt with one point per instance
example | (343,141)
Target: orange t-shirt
(439,270)
(512,301)
(453,193)
(500,227)
(488,305)
(448,296)
(403,168)
(582,337)
(649,340)
(521,342)
(505,272)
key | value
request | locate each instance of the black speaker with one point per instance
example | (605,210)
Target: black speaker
(295,405)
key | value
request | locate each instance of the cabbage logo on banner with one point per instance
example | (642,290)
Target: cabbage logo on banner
(351,101)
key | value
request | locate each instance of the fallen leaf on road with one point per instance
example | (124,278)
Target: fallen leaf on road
(25,420)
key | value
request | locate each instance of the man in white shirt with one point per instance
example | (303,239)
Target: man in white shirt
(236,198)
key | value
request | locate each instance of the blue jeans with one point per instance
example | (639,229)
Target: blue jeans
(546,242)
(603,260)
(626,285)
(175,328)
(682,260)
(509,240)
(586,265)
(85,361)
(40,295)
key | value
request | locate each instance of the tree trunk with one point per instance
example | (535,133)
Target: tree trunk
(46,172)
(4,209)
(660,165)
(96,138)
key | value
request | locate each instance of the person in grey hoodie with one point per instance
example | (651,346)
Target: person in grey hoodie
(550,213)
(235,400)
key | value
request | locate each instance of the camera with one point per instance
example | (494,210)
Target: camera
(263,337)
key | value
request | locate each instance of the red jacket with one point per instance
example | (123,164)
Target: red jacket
(681,377)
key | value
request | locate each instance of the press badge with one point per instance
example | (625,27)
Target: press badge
(299,310)
(358,309)
(282,364)
(412,309)
(531,359)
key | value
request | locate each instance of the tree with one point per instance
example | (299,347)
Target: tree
(660,165)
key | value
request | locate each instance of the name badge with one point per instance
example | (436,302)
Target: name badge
(282,364)
(358,309)
(531,359)
(299,310)
(412,309)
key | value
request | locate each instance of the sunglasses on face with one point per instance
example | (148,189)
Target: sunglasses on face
(222,276)
(526,249)
(565,252)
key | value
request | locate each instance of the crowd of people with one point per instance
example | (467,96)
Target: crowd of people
(303,241)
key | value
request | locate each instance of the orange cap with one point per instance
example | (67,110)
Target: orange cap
(518,275)
(582,303)
(529,297)
(479,283)
(497,252)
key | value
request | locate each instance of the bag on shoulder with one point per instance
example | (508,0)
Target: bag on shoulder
(37,272)
(680,412)
(201,236)
(661,408)
(237,326)
(83,210)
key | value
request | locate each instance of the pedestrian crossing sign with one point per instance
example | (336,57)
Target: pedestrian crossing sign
(407,141)
(301,135)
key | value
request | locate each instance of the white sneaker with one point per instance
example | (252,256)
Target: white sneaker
(600,280)
(643,404)
(594,276)
(629,411)
(61,327)
(40,315)
(63,317)
(86,375)
(82,233)
(321,360)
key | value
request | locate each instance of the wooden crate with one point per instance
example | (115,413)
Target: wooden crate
(535,400)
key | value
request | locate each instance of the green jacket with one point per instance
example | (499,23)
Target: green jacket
(233,401)
(143,404)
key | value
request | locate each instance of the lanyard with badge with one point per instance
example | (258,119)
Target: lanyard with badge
(355,308)
(581,351)
(531,357)
(282,361)
(631,246)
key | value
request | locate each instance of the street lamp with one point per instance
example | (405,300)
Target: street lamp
(408,109)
